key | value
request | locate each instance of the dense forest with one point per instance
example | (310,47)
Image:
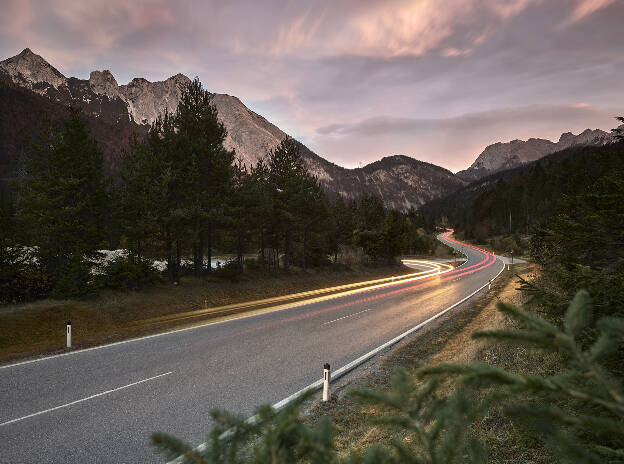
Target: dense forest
(178,196)
(513,202)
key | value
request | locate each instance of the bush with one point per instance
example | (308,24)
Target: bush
(24,285)
(128,273)
(229,271)
(75,280)
(253,264)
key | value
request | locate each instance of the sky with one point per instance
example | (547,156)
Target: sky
(356,80)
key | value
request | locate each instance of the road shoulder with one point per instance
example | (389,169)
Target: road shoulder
(445,340)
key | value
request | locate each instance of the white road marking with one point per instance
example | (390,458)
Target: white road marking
(82,399)
(345,317)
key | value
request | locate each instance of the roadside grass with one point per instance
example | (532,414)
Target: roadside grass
(39,327)
(447,340)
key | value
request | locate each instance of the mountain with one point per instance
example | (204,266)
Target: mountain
(25,112)
(500,156)
(518,199)
(401,181)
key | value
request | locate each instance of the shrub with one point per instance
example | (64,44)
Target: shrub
(24,285)
(128,273)
(75,280)
(229,271)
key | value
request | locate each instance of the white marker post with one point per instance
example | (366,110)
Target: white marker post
(68,333)
(326,380)
(490,284)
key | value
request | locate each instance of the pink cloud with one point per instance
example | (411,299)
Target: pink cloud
(585,8)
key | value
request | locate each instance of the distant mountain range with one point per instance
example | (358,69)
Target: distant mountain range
(501,156)
(30,88)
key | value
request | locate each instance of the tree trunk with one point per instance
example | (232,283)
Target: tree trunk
(239,251)
(200,244)
(197,253)
(209,246)
(305,250)
(170,264)
(178,260)
(262,245)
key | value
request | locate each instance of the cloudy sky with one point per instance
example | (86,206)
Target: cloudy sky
(356,80)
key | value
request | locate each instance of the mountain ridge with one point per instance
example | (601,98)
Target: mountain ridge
(402,182)
(506,155)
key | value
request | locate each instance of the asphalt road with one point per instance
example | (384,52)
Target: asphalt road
(101,405)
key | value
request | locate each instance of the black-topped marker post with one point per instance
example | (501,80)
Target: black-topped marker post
(326,380)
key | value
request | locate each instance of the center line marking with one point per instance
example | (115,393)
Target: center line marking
(83,399)
(341,318)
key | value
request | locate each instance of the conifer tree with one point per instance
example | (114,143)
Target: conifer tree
(62,199)
(291,187)
(207,167)
(144,191)
(617,132)
(590,429)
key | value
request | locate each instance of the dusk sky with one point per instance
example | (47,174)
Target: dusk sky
(356,80)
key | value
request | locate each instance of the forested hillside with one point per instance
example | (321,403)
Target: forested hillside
(514,201)
(178,196)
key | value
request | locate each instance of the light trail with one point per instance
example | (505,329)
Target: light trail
(434,270)
(329,293)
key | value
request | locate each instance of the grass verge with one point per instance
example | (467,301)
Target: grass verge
(39,327)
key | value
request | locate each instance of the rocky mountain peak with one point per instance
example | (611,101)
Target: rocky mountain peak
(401,181)
(29,69)
(180,78)
(499,156)
(103,82)
(146,100)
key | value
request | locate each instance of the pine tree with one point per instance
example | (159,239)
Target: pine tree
(292,189)
(145,184)
(62,200)
(207,167)
(592,429)
(618,133)
(276,437)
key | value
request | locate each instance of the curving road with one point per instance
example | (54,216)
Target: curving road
(101,405)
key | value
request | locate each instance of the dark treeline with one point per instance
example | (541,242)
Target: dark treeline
(179,196)
(568,210)
(512,203)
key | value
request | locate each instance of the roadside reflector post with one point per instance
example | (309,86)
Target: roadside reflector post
(68,333)
(326,380)
(490,284)
(507,266)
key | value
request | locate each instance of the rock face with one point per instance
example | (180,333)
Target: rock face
(402,182)
(28,70)
(146,100)
(103,83)
(500,156)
